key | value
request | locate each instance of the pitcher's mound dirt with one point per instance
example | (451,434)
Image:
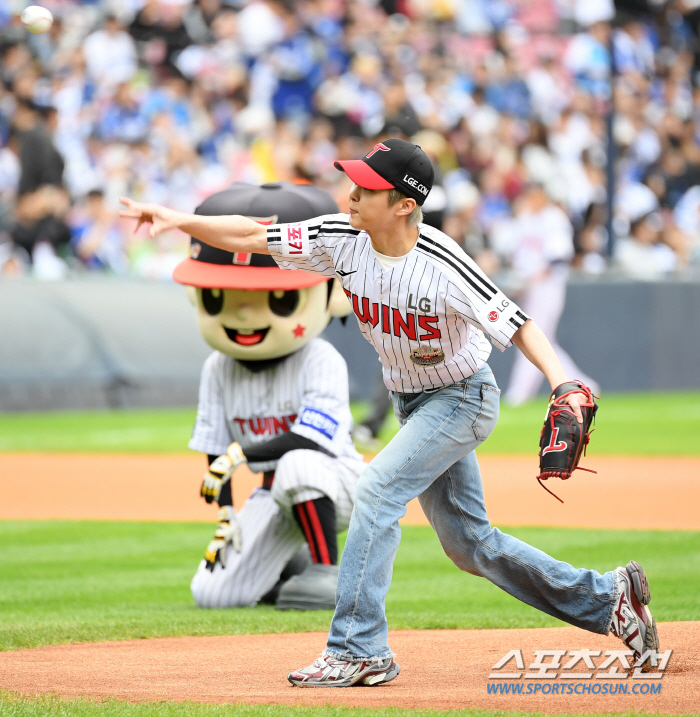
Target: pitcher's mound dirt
(166,487)
(439,669)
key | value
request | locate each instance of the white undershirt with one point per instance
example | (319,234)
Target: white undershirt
(388,262)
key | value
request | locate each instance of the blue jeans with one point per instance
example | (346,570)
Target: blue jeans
(432,457)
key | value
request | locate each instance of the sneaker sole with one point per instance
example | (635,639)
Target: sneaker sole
(371,680)
(651,642)
(640,584)
(381,679)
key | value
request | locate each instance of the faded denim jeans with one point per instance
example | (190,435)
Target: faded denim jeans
(433,457)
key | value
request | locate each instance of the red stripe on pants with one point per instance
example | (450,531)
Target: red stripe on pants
(307,530)
(320,537)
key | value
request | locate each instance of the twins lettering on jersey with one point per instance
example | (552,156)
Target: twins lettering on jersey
(266,425)
(436,302)
(393,320)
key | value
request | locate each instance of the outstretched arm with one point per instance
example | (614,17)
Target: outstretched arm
(232,233)
(530,339)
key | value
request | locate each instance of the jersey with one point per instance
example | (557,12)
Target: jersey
(543,240)
(427,317)
(307,393)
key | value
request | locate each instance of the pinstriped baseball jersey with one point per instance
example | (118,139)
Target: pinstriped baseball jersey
(307,393)
(427,317)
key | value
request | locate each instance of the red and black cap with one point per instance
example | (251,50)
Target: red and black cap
(393,164)
(278,203)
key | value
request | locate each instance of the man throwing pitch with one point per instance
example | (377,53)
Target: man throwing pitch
(427,309)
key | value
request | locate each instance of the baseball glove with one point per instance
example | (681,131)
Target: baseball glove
(563,438)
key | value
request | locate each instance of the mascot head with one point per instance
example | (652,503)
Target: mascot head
(247,307)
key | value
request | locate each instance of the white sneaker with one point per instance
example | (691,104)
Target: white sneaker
(329,672)
(632,620)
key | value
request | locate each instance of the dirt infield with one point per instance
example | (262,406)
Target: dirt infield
(166,487)
(439,669)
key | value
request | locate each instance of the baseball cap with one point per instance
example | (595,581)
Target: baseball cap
(393,164)
(280,202)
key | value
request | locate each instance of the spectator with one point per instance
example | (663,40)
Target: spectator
(588,60)
(643,254)
(42,201)
(9,182)
(686,217)
(198,95)
(110,55)
(122,119)
(161,31)
(97,237)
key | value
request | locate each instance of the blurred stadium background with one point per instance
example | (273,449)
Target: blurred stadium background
(171,100)
(580,118)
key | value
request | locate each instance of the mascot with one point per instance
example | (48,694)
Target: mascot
(275,396)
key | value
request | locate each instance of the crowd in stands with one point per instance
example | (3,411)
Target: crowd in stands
(172,100)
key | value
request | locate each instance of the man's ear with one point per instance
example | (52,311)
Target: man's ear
(191,292)
(338,303)
(406,206)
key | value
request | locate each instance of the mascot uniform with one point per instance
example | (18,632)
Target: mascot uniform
(273,395)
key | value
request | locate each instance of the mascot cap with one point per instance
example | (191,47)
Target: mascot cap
(277,203)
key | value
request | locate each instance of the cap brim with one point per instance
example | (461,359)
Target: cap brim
(362,174)
(250,278)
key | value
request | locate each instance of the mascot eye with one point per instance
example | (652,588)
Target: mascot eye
(212,301)
(284,303)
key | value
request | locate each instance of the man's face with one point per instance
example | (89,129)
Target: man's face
(370,210)
(258,325)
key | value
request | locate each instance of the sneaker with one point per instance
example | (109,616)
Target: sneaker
(632,620)
(329,672)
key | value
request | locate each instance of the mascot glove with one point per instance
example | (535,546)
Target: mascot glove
(220,471)
(228,531)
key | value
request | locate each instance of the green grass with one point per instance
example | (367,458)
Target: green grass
(637,424)
(627,424)
(117,431)
(12,705)
(89,581)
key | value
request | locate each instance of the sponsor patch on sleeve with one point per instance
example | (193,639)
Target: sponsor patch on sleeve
(319,421)
(295,240)
(497,313)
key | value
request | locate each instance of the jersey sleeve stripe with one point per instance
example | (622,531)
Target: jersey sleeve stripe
(470,269)
(347,231)
(452,264)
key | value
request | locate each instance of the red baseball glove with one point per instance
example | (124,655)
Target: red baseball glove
(563,438)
